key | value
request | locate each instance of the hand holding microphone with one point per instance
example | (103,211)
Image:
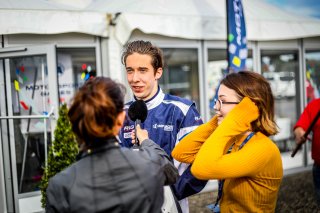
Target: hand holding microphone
(140,134)
(137,112)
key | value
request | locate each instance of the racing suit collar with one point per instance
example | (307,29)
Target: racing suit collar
(155,100)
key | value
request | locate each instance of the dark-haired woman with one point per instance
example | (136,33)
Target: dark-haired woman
(108,178)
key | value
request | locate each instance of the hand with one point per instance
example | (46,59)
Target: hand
(133,137)
(245,112)
(299,135)
(142,135)
(252,114)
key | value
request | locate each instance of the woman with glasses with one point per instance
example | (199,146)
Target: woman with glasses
(234,147)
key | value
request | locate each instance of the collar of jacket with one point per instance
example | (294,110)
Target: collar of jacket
(155,101)
(101,145)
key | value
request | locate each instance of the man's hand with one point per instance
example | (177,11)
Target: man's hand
(299,135)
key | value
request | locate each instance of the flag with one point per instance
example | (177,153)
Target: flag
(236,36)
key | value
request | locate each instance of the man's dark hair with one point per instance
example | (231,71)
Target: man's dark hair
(146,48)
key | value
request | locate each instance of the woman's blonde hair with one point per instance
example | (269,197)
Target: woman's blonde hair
(257,88)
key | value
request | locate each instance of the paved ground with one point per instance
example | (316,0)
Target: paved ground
(295,195)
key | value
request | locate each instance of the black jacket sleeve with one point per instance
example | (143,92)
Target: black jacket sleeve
(160,156)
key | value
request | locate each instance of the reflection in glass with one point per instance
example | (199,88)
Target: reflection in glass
(181,74)
(29,89)
(30,96)
(217,66)
(281,69)
(312,75)
(30,154)
(29,85)
(75,66)
(312,82)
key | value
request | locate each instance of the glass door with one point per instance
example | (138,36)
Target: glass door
(312,85)
(28,111)
(281,69)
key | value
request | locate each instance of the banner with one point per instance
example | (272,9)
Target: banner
(237,38)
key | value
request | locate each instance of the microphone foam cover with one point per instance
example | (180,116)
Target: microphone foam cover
(138,110)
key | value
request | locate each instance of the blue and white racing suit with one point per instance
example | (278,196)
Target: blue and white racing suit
(169,119)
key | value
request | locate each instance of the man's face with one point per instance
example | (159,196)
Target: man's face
(141,76)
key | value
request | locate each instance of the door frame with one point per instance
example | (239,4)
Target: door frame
(24,202)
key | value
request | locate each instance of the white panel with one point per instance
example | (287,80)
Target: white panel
(288,162)
(212,185)
(49,22)
(30,204)
(309,159)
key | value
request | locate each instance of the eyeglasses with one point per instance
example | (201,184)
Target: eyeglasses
(218,103)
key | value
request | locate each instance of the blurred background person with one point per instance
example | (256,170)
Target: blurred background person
(307,117)
(234,146)
(108,178)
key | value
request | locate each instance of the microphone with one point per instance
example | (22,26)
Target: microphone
(137,112)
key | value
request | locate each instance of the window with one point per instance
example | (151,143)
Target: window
(181,73)
(30,96)
(216,68)
(29,88)
(312,75)
(312,83)
(280,68)
(75,66)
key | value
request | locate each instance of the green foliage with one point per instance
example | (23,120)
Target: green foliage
(62,152)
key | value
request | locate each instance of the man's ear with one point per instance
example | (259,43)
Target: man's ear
(158,73)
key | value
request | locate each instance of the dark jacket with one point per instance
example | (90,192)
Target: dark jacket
(113,179)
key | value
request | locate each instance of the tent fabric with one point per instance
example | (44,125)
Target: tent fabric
(207,20)
(188,19)
(52,22)
(49,17)
(33,5)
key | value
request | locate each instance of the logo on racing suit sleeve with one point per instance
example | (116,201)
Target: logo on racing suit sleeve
(197,118)
(127,131)
(168,128)
(127,135)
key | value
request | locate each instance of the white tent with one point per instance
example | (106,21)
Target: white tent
(190,19)
(45,17)
(206,19)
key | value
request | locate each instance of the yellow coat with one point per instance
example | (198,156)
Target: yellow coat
(252,174)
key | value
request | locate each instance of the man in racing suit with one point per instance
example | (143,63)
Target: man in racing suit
(169,118)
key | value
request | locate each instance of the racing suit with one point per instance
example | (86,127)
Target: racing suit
(169,119)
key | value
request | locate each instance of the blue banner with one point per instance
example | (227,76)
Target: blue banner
(237,38)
